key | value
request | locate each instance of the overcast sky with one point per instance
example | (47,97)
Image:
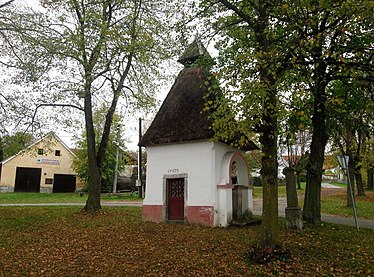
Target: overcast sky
(131,120)
(130,129)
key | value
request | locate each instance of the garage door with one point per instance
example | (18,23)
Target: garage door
(64,183)
(27,179)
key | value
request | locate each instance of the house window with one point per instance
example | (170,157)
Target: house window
(58,153)
(48,181)
(40,151)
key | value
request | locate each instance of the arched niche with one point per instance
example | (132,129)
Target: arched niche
(234,164)
(234,177)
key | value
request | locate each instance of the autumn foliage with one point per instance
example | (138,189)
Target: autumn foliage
(62,241)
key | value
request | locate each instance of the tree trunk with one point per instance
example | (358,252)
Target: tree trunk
(268,138)
(94,179)
(359,182)
(270,188)
(312,200)
(370,174)
(358,165)
(94,188)
(269,168)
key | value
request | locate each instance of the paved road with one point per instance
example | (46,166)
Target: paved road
(257,209)
(330,186)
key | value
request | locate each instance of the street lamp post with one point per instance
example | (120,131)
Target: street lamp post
(343,162)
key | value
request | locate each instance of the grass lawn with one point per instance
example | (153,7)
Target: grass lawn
(6,198)
(60,241)
(337,204)
(257,191)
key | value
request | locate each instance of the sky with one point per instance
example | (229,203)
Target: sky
(130,125)
(130,128)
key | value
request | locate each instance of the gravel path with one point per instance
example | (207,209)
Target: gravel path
(327,190)
(257,207)
(330,186)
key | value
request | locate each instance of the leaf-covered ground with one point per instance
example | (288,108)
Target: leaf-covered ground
(61,241)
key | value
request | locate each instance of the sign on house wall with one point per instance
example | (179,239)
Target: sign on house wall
(47,161)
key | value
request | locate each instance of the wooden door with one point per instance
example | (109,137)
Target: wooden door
(175,193)
(64,183)
(27,179)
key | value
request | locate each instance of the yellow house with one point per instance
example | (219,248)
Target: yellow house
(45,166)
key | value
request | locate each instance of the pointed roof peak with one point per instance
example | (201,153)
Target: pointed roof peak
(193,52)
(49,134)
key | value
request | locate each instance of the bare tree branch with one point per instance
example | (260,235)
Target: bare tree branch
(240,13)
(6,4)
(51,105)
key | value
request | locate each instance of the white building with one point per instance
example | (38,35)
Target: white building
(191,178)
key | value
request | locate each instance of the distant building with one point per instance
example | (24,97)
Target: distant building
(45,166)
(191,178)
(128,175)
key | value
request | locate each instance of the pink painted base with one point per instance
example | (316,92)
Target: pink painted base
(196,215)
(201,215)
(152,213)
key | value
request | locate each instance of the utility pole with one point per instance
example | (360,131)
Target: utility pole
(139,181)
(117,157)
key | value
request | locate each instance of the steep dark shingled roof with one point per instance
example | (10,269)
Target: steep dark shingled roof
(181,117)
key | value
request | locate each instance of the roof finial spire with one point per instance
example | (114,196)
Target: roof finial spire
(193,52)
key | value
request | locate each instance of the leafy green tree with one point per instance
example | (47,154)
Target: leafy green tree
(334,43)
(80,163)
(319,41)
(368,161)
(353,117)
(295,129)
(254,160)
(14,107)
(252,67)
(12,144)
(80,54)
(297,153)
